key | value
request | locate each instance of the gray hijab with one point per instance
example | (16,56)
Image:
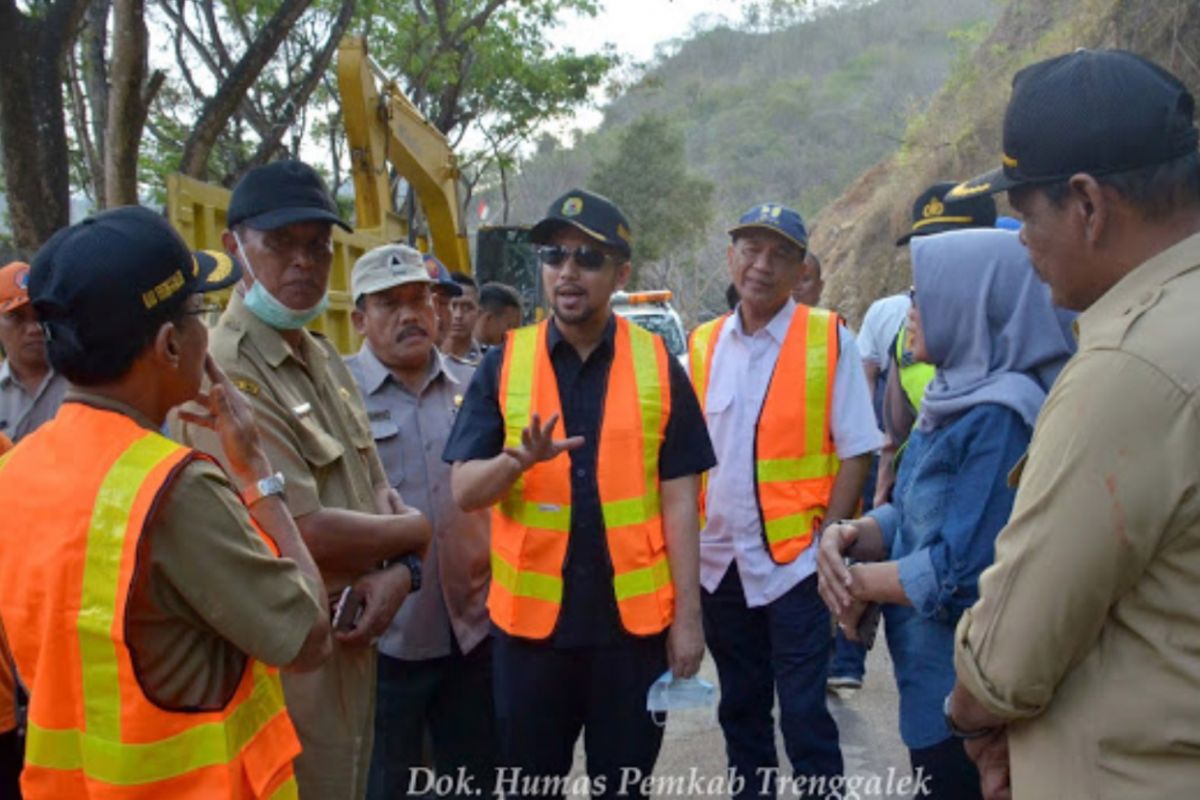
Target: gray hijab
(989,325)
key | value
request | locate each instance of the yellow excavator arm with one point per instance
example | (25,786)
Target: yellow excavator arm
(382,127)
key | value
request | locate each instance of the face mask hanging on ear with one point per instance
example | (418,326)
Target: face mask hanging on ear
(669,693)
(267,308)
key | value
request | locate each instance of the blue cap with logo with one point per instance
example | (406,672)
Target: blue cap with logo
(775,218)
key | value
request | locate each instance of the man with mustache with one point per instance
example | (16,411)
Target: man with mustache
(435,659)
(315,432)
(583,435)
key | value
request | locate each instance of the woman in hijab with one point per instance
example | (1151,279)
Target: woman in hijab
(984,319)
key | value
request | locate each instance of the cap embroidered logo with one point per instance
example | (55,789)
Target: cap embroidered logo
(933,208)
(572,206)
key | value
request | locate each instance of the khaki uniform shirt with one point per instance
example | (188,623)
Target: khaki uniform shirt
(1087,631)
(21,412)
(207,590)
(314,430)
(410,432)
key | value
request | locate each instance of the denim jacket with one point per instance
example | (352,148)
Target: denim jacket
(951,500)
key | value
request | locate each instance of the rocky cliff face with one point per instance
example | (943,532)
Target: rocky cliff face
(959,135)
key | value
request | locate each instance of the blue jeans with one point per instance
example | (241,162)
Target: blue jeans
(781,647)
(849,658)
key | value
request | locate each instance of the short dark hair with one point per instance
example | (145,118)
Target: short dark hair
(1157,191)
(494,297)
(93,363)
(464,280)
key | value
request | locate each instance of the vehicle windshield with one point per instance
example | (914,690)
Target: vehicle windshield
(664,326)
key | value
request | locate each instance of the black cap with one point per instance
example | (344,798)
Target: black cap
(591,213)
(281,193)
(1092,111)
(933,213)
(119,274)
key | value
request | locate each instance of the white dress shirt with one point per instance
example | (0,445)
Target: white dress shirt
(738,378)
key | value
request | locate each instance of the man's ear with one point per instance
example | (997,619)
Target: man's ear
(1093,206)
(166,344)
(624,271)
(730,260)
(359,319)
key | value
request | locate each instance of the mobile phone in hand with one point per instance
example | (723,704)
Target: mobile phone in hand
(347,610)
(868,625)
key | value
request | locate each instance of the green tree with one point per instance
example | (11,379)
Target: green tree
(668,206)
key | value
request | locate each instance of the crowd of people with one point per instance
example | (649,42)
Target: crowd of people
(236,563)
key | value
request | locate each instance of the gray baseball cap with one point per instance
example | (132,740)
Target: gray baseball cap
(387,266)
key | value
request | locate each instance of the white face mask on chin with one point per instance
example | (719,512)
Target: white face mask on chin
(669,693)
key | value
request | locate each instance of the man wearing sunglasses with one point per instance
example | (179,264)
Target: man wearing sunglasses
(583,435)
(790,416)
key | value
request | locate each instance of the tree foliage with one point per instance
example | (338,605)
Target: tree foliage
(668,206)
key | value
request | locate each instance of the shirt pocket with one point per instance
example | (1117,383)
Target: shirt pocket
(318,448)
(386,435)
(720,399)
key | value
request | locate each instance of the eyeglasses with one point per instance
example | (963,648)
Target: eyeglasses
(317,250)
(590,258)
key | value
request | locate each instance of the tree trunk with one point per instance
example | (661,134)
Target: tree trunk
(126,111)
(222,105)
(32,123)
(94,43)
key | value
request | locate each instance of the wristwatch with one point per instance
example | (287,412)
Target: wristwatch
(957,731)
(413,562)
(264,487)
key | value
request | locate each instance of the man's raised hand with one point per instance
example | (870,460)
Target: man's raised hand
(538,444)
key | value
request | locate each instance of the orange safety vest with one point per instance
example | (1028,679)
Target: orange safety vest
(532,523)
(795,462)
(76,496)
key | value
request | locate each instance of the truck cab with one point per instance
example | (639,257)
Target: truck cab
(652,310)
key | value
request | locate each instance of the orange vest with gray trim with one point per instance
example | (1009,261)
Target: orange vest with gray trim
(532,523)
(795,462)
(76,497)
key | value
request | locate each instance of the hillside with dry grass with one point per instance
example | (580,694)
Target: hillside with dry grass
(959,134)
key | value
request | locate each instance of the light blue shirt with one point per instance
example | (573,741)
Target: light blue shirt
(739,375)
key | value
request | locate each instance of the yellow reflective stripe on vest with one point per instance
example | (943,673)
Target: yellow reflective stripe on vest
(816,381)
(646,580)
(793,525)
(129,764)
(288,790)
(698,360)
(518,397)
(101,582)
(523,583)
(633,511)
(810,467)
(4,458)
(535,515)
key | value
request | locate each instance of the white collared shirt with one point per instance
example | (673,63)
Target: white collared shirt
(739,375)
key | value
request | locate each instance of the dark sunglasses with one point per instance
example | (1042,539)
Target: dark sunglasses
(590,258)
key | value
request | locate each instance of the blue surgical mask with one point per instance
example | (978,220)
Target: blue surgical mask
(267,307)
(669,693)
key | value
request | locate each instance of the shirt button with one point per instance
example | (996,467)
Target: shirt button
(428,446)
(581,472)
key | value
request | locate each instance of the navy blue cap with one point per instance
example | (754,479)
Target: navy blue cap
(1093,111)
(118,274)
(442,281)
(777,218)
(933,212)
(593,214)
(281,193)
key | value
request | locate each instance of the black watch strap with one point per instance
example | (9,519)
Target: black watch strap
(413,562)
(958,732)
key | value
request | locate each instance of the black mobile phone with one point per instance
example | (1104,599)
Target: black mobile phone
(868,624)
(347,610)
